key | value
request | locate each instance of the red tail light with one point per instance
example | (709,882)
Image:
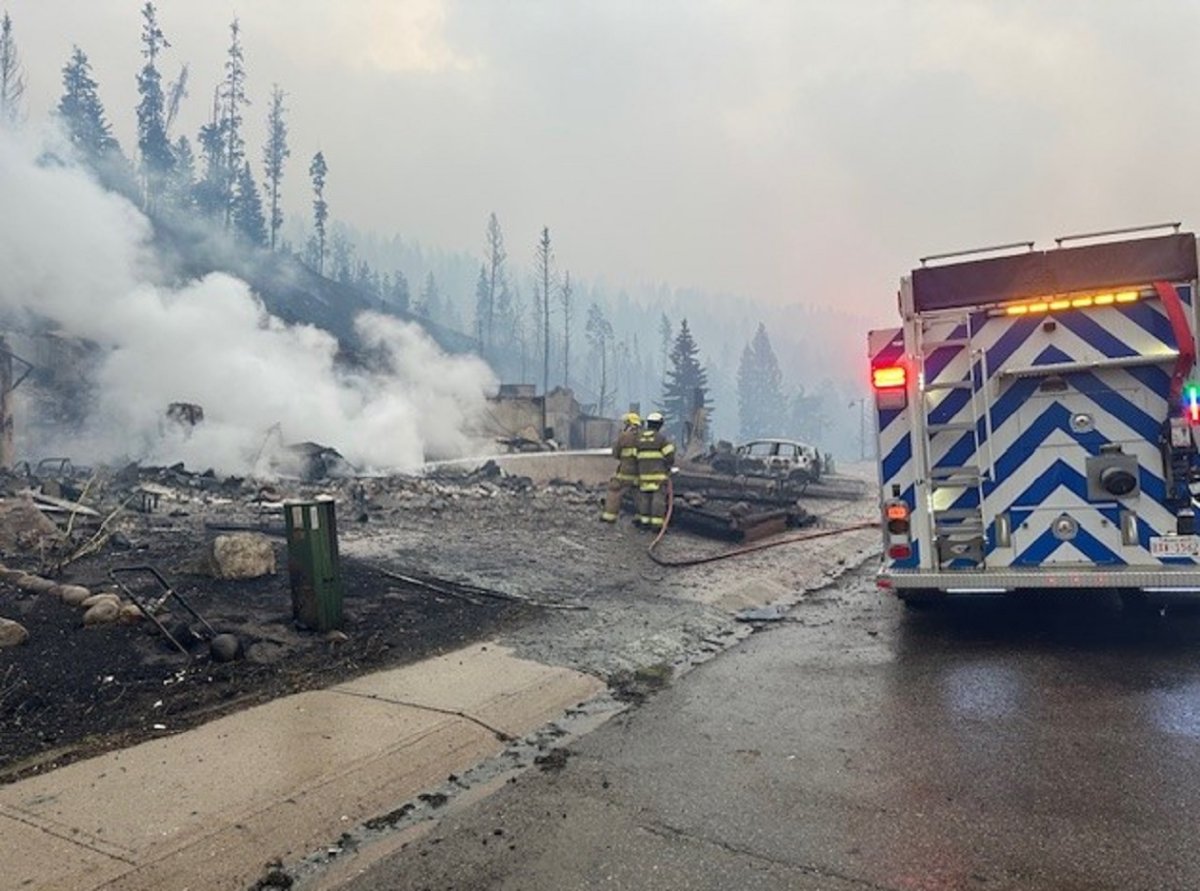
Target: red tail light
(900,551)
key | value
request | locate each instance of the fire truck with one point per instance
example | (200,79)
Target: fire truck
(1037,420)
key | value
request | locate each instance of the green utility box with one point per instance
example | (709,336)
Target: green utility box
(313,564)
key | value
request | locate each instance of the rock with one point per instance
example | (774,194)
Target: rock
(12,634)
(25,528)
(336,637)
(225,648)
(101,598)
(73,595)
(129,614)
(265,652)
(103,613)
(242,555)
(35,584)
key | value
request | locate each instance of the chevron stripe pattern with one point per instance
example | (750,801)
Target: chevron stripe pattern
(1028,436)
(894,434)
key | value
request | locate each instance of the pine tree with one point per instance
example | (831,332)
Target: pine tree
(207,192)
(81,111)
(398,294)
(341,257)
(496,278)
(761,404)
(483,309)
(182,189)
(686,387)
(317,171)
(233,98)
(153,144)
(12,77)
(248,220)
(565,293)
(664,339)
(275,153)
(599,335)
(430,304)
(545,268)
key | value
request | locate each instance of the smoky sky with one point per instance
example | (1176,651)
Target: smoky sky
(785,151)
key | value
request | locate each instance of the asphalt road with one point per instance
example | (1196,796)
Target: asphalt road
(990,744)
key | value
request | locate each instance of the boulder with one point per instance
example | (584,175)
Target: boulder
(106,597)
(72,595)
(35,584)
(12,633)
(25,528)
(129,615)
(225,648)
(241,555)
(103,613)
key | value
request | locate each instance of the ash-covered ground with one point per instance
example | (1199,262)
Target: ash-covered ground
(428,564)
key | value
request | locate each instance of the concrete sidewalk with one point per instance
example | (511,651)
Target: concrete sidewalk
(208,808)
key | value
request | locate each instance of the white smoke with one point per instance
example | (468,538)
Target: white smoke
(80,256)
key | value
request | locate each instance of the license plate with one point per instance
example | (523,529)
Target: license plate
(1175,546)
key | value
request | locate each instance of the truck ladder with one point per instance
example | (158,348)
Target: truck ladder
(957,526)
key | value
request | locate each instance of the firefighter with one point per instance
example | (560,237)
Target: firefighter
(655,455)
(625,451)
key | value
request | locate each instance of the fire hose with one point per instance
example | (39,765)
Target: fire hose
(744,549)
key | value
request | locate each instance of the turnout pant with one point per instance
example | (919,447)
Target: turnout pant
(651,505)
(612,498)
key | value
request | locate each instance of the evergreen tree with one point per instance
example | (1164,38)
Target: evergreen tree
(275,153)
(317,171)
(599,335)
(565,294)
(182,191)
(483,309)
(208,193)
(176,93)
(430,304)
(496,279)
(398,294)
(664,339)
(153,144)
(761,404)
(81,111)
(686,387)
(248,220)
(12,77)
(341,258)
(233,99)
(810,413)
(545,269)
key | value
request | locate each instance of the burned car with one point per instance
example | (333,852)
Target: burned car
(787,459)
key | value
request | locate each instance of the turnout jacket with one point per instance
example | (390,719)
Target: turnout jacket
(655,455)
(625,451)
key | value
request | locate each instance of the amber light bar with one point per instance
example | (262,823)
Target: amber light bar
(1056,304)
(889,376)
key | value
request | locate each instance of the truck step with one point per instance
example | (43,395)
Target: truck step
(929,346)
(949,385)
(952,427)
(955,477)
(964,528)
(958,513)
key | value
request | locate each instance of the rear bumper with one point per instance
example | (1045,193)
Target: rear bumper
(1164,580)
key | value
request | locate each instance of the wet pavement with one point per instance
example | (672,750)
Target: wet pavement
(991,744)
